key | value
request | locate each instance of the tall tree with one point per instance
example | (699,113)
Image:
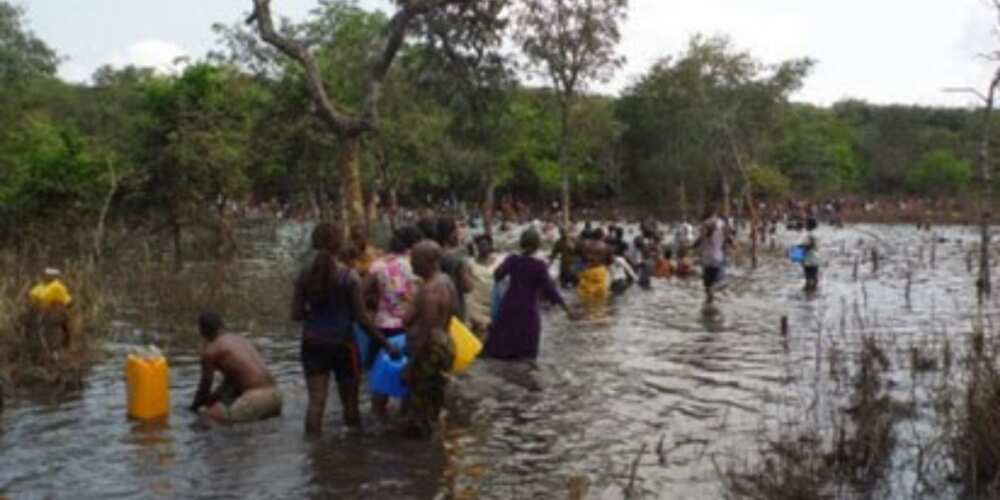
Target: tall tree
(464,43)
(571,43)
(349,125)
(23,56)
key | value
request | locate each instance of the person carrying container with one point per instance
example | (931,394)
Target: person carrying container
(328,301)
(810,262)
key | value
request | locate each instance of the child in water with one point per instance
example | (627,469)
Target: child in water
(594,280)
(810,263)
(684,268)
(664,267)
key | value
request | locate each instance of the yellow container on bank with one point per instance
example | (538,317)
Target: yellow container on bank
(467,346)
(148,385)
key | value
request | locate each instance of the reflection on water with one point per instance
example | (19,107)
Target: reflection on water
(655,368)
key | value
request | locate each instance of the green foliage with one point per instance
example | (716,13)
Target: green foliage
(23,56)
(818,151)
(199,144)
(712,110)
(453,119)
(939,173)
(47,173)
(769,182)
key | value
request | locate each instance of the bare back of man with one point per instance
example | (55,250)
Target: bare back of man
(431,350)
(239,362)
(249,392)
(434,307)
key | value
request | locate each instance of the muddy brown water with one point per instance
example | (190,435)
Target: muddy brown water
(697,389)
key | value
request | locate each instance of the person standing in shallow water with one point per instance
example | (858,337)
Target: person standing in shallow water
(480,299)
(328,301)
(392,282)
(810,264)
(516,333)
(712,243)
(453,263)
(565,250)
(427,339)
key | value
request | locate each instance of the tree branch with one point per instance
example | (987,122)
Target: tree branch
(328,112)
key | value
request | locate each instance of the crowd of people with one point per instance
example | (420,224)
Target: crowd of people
(408,294)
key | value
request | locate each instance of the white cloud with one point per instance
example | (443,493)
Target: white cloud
(160,55)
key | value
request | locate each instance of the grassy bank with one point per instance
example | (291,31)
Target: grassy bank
(137,297)
(941,440)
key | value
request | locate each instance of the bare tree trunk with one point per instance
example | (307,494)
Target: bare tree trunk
(350,173)
(372,210)
(178,244)
(724,209)
(563,158)
(99,232)
(488,207)
(682,197)
(986,201)
(393,207)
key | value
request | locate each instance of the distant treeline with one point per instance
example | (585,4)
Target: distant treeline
(238,127)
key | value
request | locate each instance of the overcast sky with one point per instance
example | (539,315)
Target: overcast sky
(885,51)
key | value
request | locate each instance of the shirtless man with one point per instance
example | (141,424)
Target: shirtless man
(248,392)
(429,345)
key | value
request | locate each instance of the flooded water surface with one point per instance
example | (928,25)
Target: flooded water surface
(692,389)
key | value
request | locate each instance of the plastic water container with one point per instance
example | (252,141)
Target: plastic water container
(386,377)
(147,378)
(467,346)
(797,254)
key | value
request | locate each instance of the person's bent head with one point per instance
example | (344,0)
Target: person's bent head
(326,238)
(404,238)
(426,259)
(447,232)
(710,213)
(51,274)
(210,325)
(359,236)
(811,224)
(484,245)
(428,228)
(530,241)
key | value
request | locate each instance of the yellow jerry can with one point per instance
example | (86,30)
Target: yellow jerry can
(467,346)
(148,385)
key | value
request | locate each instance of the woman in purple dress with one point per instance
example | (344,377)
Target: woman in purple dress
(516,332)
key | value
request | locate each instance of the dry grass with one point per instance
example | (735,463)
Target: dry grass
(808,463)
(29,358)
(976,434)
(152,296)
(790,468)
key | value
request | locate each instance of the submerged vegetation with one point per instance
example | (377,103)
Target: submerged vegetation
(872,445)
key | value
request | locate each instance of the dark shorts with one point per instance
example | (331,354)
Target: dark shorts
(812,273)
(567,279)
(711,275)
(620,286)
(320,357)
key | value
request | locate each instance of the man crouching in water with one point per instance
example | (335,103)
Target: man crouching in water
(248,392)
(428,342)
